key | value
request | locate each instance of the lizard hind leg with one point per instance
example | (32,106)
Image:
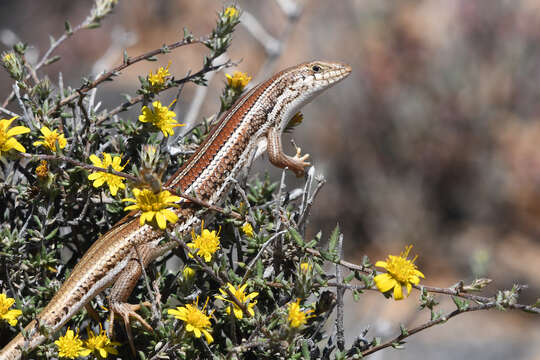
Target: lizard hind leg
(124,285)
(278,158)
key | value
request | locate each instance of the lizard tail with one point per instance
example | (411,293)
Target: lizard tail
(13,350)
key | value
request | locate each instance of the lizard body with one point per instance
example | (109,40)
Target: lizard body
(251,126)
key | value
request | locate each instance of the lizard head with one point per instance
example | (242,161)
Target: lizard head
(305,81)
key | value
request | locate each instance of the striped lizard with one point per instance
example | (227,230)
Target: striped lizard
(252,126)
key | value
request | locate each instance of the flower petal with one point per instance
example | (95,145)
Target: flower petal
(398,292)
(160,218)
(99,181)
(12,143)
(17,130)
(45,131)
(208,336)
(384,282)
(96,161)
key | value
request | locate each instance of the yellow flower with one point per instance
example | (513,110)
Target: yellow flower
(157,80)
(7,140)
(305,267)
(161,117)
(8,57)
(298,317)
(238,80)
(206,244)
(99,345)
(231,12)
(196,320)
(114,182)
(154,205)
(188,273)
(50,139)
(242,297)
(295,121)
(8,315)
(42,170)
(401,272)
(247,229)
(69,345)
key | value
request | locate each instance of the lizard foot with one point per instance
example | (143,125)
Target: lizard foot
(126,311)
(300,162)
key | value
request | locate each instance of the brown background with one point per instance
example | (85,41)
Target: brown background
(434,140)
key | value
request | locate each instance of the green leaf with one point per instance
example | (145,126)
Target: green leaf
(356,295)
(38,222)
(332,243)
(403,330)
(67,27)
(51,234)
(296,236)
(305,351)
(349,278)
(311,244)
(52,60)
(461,304)
(93,25)
(260,268)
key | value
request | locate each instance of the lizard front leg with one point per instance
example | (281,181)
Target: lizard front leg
(124,285)
(278,158)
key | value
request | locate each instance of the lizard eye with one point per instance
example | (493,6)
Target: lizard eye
(316,68)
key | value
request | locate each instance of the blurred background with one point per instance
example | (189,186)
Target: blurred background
(434,139)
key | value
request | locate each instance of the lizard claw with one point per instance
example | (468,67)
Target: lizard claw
(126,311)
(300,162)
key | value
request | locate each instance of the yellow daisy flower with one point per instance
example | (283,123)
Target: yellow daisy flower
(51,138)
(207,243)
(188,273)
(42,170)
(69,345)
(298,317)
(158,80)
(114,182)
(154,206)
(231,12)
(161,117)
(99,345)
(247,229)
(305,267)
(8,315)
(401,272)
(8,57)
(240,294)
(7,137)
(196,320)
(238,80)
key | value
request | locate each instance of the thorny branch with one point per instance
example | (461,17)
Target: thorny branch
(139,98)
(395,341)
(125,63)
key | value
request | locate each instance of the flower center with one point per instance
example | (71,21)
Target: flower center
(401,269)
(207,241)
(196,318)
(51,140)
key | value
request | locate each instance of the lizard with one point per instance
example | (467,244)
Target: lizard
(251,127)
